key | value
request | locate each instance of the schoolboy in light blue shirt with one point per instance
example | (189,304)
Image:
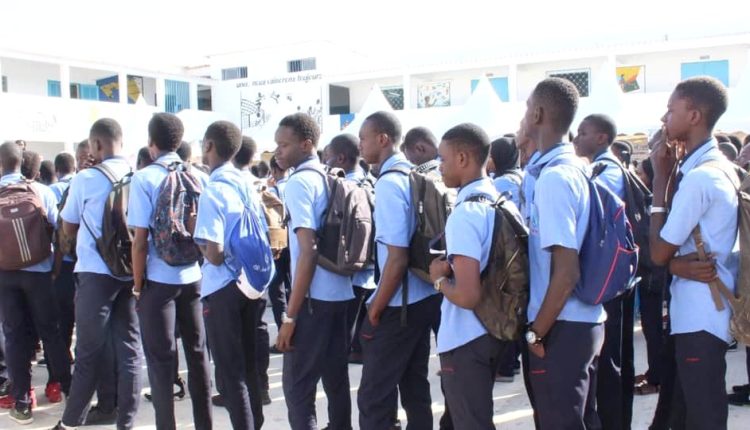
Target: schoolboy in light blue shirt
(393,355)
(468,354)
(185,152)
(616,374)
(565,335)
(105,305)
(228,311)
(313,333)
(168,294)
(705,196)
(508,176)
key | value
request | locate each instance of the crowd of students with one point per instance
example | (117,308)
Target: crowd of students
(578,363)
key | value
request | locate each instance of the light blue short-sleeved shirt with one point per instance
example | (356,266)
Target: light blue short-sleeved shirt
(509,186)
(395,222)
(612,176)
(364,278)
(49,203)
(85,207)
(704,197)
(306,199)
(527,189)
(144,193)
(200,176)
(559,217)
(468,232)
(219,208)
(278,189)
(60,186)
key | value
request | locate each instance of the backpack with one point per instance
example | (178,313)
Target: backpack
(24,223)
(64,243)
(173,220)
(433,202)
(249,243)
(637,205)
(505,280)
(345,238)
(609,254)
(275,214)
(739,302)
(116,241)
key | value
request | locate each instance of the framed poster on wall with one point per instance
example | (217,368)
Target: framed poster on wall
(632,79)
(434,94)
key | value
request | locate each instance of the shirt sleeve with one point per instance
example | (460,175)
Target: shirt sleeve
(50,205)
(140,208)
(463,233)
(392,211)
(612,179)
(211,221)
(71,212)
(299,198)
(557,205)
(689,204)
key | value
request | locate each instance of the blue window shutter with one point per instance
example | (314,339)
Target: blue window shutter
(53,89)
(88,92)
(177,96)
(717,69)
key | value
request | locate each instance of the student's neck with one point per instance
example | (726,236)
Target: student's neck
(216,165)
(10,172)
(386,154)
(546,139)
(696,139)
(472,176)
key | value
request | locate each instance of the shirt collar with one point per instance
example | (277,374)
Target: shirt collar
(66,178)
(311,162)
(169,157)
(561,149)
(356,174)
(483,186)
(396,158)
(221,170)
(12,177)
(708,150)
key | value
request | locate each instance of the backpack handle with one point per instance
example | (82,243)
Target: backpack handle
(717,286)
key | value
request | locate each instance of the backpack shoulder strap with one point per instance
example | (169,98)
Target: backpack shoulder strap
(396,169)
(107,172)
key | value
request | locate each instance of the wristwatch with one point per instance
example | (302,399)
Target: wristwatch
(286,319)
(439,283)
(532,338)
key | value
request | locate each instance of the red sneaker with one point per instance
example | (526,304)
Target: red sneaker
(9,402)
(53,392)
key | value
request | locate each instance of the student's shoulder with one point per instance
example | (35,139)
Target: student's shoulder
(45,192)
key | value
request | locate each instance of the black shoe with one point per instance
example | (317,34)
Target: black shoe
(732,346)
(5,388)
(180,394)
(218,400)
(22,416)
(97,416)
(58,426)
(265,398)
(739,399)
(42,362)
(736,389)
(275,350)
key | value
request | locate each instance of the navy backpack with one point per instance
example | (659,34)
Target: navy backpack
(609,255)
(249,243)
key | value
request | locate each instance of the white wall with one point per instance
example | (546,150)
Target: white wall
(529,75)
(460,82)
(28,77)
(88,76)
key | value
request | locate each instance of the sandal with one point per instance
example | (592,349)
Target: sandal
(645,389)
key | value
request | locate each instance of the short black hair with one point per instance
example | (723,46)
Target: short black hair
(47,172)
(419,134)
(648,168)
(746,141)
(246,153)
(734,140)
(11,156)
(261,169)
(721,137)
(559,98)
(603,124)
(471,137)
(346,145)
(227,138)
(505,154)
(84,144)
(166,130)
(184,151)
(728,150)
(706,94)
(144,157)
(32,163)
(106,128)
(386,123)
(65,164)
(303,126)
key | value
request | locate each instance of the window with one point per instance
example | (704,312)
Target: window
(233,73)
(5,84)
(88,92)
(177,96)
(580,78)
(204,97)
(53,89)
(716,69)
(499,84)
(395,96)
(301,65)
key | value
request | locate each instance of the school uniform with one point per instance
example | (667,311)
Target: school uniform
(27,297)
(281,284)
(395,356)
(104,305)
(363,284)
(468,354)
(64,284)
(563,384)
(170,298)
(705,197)
(509,186)
(321,345)
(616,373)
(526,191)
(228,311)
